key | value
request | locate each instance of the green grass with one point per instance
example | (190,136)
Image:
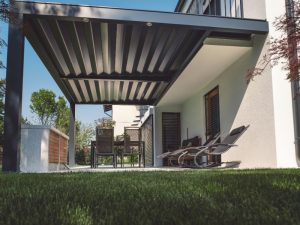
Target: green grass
(187,197)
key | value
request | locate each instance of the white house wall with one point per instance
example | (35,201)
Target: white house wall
(256,9)
(240,104)
(282,98)
(123,115)
(265,104)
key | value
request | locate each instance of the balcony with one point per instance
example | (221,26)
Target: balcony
(224,8)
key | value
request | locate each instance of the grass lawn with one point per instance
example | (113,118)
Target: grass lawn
(187,197)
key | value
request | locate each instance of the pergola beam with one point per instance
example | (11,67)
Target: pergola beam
(131,77)
(120,102)
(81,12)
(40,49)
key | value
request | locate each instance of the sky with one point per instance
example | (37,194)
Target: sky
(36,76)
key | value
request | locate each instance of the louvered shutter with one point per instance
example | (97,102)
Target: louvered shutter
(147,138)
(171,131)
(212,113)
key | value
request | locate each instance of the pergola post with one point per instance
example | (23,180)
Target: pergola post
(72,132)
(13,96)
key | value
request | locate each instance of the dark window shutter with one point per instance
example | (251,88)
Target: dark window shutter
(212,110)
(215,123)
(147,138)
(171,133)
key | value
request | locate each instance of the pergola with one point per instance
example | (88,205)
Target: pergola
(100,55)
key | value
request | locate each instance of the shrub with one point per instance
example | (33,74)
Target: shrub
(80,157)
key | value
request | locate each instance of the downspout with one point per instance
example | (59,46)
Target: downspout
(294,84)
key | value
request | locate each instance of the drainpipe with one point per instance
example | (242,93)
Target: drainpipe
(294,84)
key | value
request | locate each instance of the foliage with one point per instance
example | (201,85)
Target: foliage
(214,197)
(283,49)
(4,17)
(25,121)
(84,135)
(2,107)
(105,122)
(62,120)
(105,160)
(5,14)
(49,111)
(52,112)
(44,106)
(2,95)
(4,10)
(80,157)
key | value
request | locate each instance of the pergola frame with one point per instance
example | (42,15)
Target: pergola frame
(156,81)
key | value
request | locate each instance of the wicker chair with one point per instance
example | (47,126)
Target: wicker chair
(104,144)
(132,144)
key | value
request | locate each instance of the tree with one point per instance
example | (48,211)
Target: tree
(80,157)
(284,49)
(5,16)
(5,6)
(84,135)
(25,121)
(62,120)
(44,106)
(2,95)
(105,122)
(51,112)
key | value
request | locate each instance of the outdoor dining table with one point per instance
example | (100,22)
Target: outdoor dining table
(121,147)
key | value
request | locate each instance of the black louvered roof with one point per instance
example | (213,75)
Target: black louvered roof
(116,56)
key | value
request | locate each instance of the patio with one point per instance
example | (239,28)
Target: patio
(136,58)
(106,169)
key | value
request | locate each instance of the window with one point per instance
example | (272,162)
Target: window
(171,134)
(208,7)
(212,113)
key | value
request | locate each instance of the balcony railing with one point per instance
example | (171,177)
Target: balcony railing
(227,8)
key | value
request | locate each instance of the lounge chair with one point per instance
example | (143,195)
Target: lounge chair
(173,155)
(189,153)
(217,148)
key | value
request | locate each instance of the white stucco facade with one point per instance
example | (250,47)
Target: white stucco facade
(282,98)
(124,116)
(265,103)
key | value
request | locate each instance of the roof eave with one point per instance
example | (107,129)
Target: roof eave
(141,16)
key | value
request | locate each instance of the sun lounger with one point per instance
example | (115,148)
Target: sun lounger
(213,149)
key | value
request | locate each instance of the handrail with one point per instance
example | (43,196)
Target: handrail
(226,8)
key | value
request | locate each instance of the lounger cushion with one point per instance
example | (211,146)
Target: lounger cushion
(184,143)
(237,130)
(190,144)
(194,142)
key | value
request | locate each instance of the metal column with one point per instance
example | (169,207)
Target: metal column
(13,97)
(72,133)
